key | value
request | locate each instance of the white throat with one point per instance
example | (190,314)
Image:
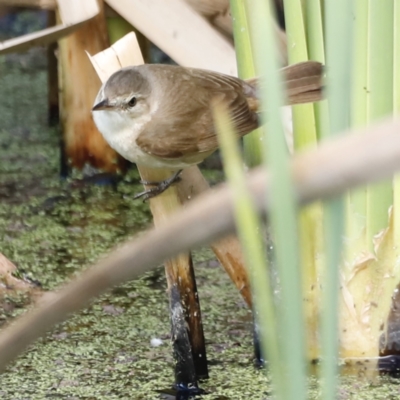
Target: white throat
(121,131)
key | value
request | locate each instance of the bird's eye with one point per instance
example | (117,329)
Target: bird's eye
(132,102)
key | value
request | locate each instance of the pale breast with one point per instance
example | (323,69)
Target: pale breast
(121,134)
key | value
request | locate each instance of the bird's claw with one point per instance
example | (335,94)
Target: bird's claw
(159,187)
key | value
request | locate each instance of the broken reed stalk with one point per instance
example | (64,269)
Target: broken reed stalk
(83,142)
(174,27)
(45,4)
(228,249)
(73,15)
(187,329)
(369,156)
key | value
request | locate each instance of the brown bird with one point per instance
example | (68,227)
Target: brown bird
(160,116)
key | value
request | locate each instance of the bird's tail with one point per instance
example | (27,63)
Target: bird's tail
(304,82)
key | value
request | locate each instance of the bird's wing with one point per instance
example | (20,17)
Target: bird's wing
(187,127)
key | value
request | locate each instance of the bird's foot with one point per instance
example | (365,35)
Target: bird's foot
(159,187)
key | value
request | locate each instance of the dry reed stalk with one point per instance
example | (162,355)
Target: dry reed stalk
(73,13)
(187,329)
(83,143)
(45,4)
(180,32)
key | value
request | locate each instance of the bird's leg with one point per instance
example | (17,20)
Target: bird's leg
(159,187)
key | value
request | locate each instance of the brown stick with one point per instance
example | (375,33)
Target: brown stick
(228,250)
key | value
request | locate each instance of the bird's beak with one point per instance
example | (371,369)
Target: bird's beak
(102,105)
